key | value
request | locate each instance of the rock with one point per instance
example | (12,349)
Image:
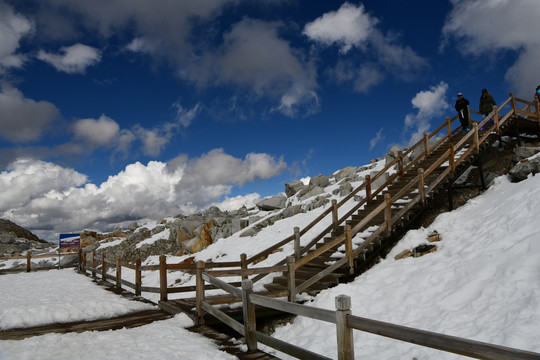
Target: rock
(292,210)
(133,226)
(320,181)
(272,203)
(380,181)
(345,173)
(345,189)
(203,239)
(525,167)
(392,155)
(293,187)
(523,152)
(309,191)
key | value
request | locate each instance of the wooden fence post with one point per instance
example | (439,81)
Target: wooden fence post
(335,214)
(400,162)
(79,268)
(103,266)
(537,106)
(138,278)
(451,159)
(345,340)
(28,261)
(250,324)
(368,189)
(297,242)
(199,292)
(291,279)
(475,137)
(163,278)
(118,271)
(94,263)
(421,188)
(388,212)
(349,248)
(496,118)
(449,126)
(84,262)
(426,143)
(469,116)
(243,265)
(513,102)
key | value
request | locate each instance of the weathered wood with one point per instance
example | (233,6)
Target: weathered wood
(349,248)
(200,292)
(163,277)
(248,310)
(291,279)
(293,308)
(220,284)
(150,289)
(103,266)
(287,348)
(138,278)
(118,271)
(321,275)
(319,251)
(94,264)
(243,265)
(443,342)
(426,144)
(367,181)
(252,271)
(345,341)
(28,262)
(224,318)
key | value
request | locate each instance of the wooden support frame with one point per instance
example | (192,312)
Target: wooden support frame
(248,310)
(368,189)
(291,279)
(345,340)
(297,242)
(118,272)
(199,292)
(349,248)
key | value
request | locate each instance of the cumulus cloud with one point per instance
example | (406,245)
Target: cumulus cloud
(349,26)
(429,104)
(23,119)
(486,27)
(74,59)
(45,196)
(100,132)
(13,28)
(352,27)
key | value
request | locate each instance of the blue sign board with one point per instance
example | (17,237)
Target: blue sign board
(70,240)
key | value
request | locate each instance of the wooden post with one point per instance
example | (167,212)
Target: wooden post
(451,159)
(349,248)
(426,143)
(537,106)
(400,162)
(368,189)
(449,126)
(291,279)
(28,262)
(163,277)
(296,242)
(496,118)
(103,266)
(345,340)
(335,214)
(513,102)
(250,321)
(79,269)
(469,116)
(94,263)
(138,278)
(243,265)
(475,137)
(388,212)
(421,188)
(199,292)
(118,271)
(84,263)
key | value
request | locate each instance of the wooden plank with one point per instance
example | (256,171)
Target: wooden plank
(321,275)
(224,318)
(293,308)
(191,288)
(269,250)
(150,289)
(287,348)
(149,267)
(127,283)
(252,271)
(319,251)
(443,342)
(222,284)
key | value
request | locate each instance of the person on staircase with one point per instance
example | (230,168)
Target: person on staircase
(537,93)
(462,105)
(486,105)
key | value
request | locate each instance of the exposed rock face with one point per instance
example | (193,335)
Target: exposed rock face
(293,187)
(320,181)
(15,240)
(272,203)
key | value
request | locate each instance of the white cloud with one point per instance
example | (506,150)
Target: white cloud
(13,27)
(428,103)
(74,59)
(377,55)
(377,139)
(100,132)
(49,197)
(349,26)
(23,119)
(154,140)
(235,203)
(185,117)
(485,27)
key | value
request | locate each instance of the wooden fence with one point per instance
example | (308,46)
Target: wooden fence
(28,257)
(345,324)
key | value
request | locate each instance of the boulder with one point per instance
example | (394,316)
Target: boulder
(272,203)
(345,189)
(525,167)
(320,181)
(309,191)
(523,152)
(392,154)
(345,173)
(293,187)
(292,210)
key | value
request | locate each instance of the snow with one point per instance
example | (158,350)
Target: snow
(481,284)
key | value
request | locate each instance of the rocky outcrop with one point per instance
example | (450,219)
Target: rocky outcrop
(15,240)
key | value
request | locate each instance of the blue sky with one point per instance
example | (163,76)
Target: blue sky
(112,111)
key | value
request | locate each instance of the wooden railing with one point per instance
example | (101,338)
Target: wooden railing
(345,324)
(28,257)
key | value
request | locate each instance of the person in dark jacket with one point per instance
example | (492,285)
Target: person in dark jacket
(537,93)
(486,104)
(463,111)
